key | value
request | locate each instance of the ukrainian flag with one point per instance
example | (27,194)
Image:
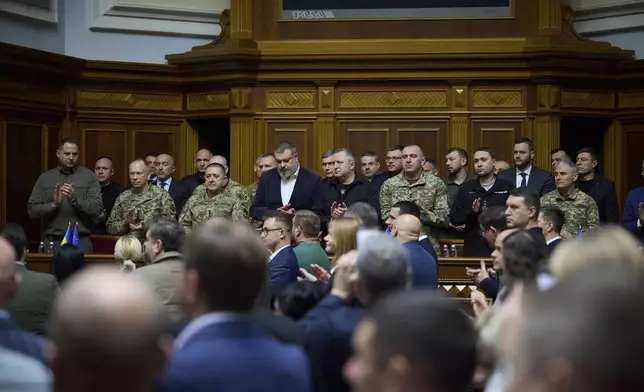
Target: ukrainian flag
(68,235)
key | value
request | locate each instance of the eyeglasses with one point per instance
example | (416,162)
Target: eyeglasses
(266,231)
(388,159)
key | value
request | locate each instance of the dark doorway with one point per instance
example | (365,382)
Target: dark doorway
(214,134)
(578,132)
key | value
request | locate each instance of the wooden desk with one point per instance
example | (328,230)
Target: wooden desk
(42,261)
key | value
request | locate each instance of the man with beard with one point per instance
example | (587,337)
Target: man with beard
(164,265)
(456,165)
(287,188)
(475,196)
(525,173)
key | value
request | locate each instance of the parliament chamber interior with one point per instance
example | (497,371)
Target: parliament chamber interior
(350,77)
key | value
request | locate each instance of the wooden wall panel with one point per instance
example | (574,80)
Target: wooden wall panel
(298,132)
(157,141)
(431,138)
(633,155)
(53,137)
(107,142)
(497,134)
(23,164)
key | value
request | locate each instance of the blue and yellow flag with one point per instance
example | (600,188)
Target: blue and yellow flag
(68,235)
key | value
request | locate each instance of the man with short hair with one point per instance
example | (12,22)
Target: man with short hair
(288,188)
(110,190)
(334,195)
(32,305)
(394,351)
(600,188)
(424,269)
(66,194)
(522,212)
(108,332)
(218,200)
(393,161)
(525,173)
(225,267)
(579,208)
(306,233)
(429,166)
(366,213)
(139,205)
(633,217)
(559,155)
(263,163)
(424,189)
(192,181)
(328,165)
(369,164)
(500,165)
(165,169)
(456,165)
(410,208)
(164,263)
(282,263)
(551,221)
(150,161)
(475,196)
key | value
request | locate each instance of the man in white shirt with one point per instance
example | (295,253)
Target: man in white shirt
(283,267)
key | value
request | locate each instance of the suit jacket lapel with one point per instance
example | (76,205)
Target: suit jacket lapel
(277,189)
(298,185)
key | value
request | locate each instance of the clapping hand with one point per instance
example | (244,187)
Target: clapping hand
(476,206)
(131,215)
(57,196)
(479,274)
(287,209)
(338,210)
(67,190)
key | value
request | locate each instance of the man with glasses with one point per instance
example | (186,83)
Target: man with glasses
(283,268)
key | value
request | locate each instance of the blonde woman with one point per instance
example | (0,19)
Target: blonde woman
(127,252)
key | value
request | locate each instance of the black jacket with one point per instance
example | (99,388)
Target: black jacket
(461,212)
(602,190)
(331,191)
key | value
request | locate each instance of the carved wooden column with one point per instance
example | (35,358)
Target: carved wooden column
(189,143)
(243,140)
(550,21)
(614,158)
(547,124)
(324,135)
(459,132)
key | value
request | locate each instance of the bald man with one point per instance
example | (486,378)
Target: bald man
(177,190)
(202,159)
(237,190)
(424,269)
(500,166)
(108,333)
(11,336)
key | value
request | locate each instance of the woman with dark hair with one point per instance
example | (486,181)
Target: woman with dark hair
(67,260)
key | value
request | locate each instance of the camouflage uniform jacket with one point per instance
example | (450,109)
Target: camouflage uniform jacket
(429,192)
(236,189)
(579,209)
(252,189)
(154,204)
(201,207)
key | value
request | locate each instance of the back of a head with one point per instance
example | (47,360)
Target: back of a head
(66,262)
(408,227)
(364,212)
(296,299)
(588,327)
(431,333)
(408,208)
(231,263)
(128,251)
(493,217)
(308,222)
(382,264)
(169,232)
(106,327)
(523,255)
(16,237)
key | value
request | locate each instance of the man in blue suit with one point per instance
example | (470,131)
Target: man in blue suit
(633,217)
(424,269)
(283,267)
(525,174)
(221,349)
(288,188)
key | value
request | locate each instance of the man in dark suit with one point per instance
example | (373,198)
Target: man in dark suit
(601,189)
(222,349)
(424,269)
(11,336)
(551,221)
(177,190)
(110,190)
(32,306)
(406,207)
(287,188)
(525,174)
(283,267)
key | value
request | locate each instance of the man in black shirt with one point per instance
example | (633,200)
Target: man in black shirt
(600,188)
(110,190)
(202,160)
(475,196)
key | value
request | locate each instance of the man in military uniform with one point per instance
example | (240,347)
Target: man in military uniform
(66,194)
(216,202)
(424,189)
(264,162)
(235,188)
(580,209)
(139,205)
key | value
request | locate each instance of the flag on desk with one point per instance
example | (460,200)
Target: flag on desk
(68,235)
(71,238)
(580,233)
(76,238)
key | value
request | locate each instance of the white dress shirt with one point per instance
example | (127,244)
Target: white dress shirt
(202,322)
(552,240)
(520,177)
(287,187)
(272,256)
(167,184)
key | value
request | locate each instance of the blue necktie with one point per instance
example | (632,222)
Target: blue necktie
(524,181)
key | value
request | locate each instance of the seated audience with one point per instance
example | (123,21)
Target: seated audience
(424,269)
(221,349)
(66,262)
(108,334)
(307,249)
(128,252)
(395,352)
(164,265)
(31,307)
(298,298)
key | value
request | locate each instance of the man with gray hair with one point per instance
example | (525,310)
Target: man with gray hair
(378,267)
(327,165)
(288,188)
(366,213)
(345,188)
(107,328)
(580,209)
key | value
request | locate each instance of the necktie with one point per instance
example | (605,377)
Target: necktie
(162,185)
(524,180)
